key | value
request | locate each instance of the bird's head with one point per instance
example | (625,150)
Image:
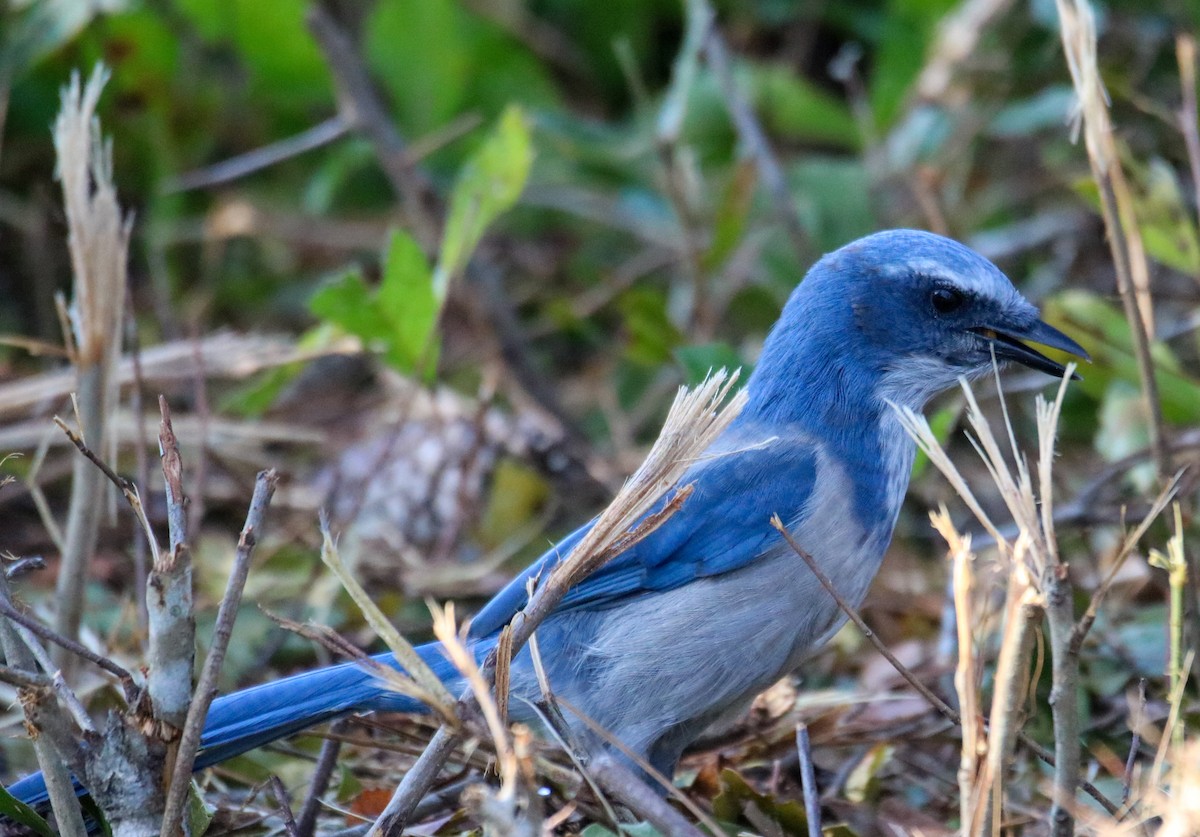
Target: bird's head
(904,314)
(929,310)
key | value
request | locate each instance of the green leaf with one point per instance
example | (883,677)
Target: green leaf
(35,30)
(1104,332)
(407,301)
(284,65)
(399,318)
(833,196)
(197,815)
(699,361)
(737,796)
(597,830)
(732,213)
(440,60)
(488,184)
(863,782)
(1163,218)
(516,494)
(346,301)
(651,335)
(909,27)
(19,812)
(1047,109)
(793,107)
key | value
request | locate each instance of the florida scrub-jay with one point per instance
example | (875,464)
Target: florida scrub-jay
(687,626)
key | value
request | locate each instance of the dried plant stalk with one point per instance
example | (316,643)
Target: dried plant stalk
(98,238)
(1022,611)
(966,674)
(1078,27)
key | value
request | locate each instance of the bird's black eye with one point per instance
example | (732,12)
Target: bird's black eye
(946,300)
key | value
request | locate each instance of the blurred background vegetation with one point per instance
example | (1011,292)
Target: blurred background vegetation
(313,251)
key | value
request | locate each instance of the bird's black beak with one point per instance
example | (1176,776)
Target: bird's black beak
(1008,344)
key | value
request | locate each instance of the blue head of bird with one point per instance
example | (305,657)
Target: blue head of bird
(897,316)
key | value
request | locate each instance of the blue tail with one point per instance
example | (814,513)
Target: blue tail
(261,714)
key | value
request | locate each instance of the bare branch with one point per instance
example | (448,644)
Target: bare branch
(171,620)
(59,785)
(206,688)
(235,168)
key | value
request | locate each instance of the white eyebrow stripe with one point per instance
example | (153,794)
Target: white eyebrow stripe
(976,282)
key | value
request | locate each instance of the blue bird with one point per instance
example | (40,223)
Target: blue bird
(686,627)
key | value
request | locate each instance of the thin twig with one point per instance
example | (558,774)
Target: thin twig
(754,138)
(1024,610)
(360,108)
(17,567)
(285,807)
(852,613)
(322,773)
(47,633)
(1081,629)
(1064,697)
(618,781)
(808,777)
(59,786)
(170,614)
(69,699)
(235,168)
(22,679)
(206,688)
(1135,743)
(416,782)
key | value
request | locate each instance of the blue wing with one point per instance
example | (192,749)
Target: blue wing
(723,526)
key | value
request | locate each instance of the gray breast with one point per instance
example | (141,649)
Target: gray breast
(671,663)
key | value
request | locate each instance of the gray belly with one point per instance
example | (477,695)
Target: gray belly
(657,671)
(659,668)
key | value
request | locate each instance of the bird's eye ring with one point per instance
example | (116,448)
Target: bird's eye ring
(946,300)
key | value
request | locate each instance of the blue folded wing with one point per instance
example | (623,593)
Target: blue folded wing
(723,526)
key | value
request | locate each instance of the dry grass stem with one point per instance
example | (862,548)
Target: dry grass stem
(428,687)
(917,427)
(1038,585)
(98,240)
(454,646)
(1078,27)
(966,672)
(1189,118)
(695,419)
(1131,540)
(1169,738)
(1022,611)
